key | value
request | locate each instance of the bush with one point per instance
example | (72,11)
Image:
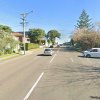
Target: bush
(41,42)
(10,51)
(31,46)
(19,50)
(6,52)
(77,49)
(13,51)
(1,53)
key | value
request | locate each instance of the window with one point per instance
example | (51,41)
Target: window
(94,50)
(47,50)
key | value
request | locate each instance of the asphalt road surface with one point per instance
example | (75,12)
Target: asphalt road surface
(66,75)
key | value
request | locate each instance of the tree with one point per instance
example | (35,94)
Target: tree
(85,39)
(52,34)
(36,34)
(7,41)
(5,28)
(12,42)
(84,21)
(49,41)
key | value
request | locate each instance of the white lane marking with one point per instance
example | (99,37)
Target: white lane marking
(72,60)
(36,57)
(57,51)
(26,97)
(52,58)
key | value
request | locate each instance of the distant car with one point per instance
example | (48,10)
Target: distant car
(58,45)
(68,45)
(94,52)
(51,46)
(48,51)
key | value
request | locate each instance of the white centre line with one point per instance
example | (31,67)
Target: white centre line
(72,60)
(26,97)
(52,58)
(57,51)
(36,57)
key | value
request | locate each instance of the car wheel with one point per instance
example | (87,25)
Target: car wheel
(88,56)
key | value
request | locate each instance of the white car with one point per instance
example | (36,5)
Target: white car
(48,51)
(94,52)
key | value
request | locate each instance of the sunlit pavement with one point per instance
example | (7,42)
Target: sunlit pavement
(66,75)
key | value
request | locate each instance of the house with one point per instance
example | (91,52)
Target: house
(21,37)
(7,45)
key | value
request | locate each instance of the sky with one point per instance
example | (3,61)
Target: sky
(61,15)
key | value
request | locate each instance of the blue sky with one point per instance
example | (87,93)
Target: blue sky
(60,15)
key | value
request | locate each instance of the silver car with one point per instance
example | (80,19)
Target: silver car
(48,51)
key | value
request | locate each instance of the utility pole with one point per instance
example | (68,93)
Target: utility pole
(24,30)
(24,16)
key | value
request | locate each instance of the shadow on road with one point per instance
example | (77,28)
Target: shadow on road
(90,57)
(81,56)
(95,97)
(40,55)
(67,49)
(75,75)
(43,55)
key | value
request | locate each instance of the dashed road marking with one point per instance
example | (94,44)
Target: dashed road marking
(57,51)
(27,96)
(72,60)
(52,58)
(36,57)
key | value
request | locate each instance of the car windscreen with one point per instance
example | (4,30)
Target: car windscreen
(47,50)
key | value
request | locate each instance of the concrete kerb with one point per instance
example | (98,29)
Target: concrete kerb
(22,53)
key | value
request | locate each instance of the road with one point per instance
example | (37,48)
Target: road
(64,76)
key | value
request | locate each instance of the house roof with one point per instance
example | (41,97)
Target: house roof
(17,34)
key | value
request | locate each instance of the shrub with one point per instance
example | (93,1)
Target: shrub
(10,51)
(1,53)
(31,46)
(13,51)
(6,52)
(19,50)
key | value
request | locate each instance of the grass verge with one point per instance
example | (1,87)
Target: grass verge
(76,49)
(10,58)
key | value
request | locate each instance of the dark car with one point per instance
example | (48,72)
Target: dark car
(58,45)
(51,46)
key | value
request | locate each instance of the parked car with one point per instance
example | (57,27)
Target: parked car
(58,45)
(48,51)
(94,52)
(61,44)
(51,46)
(68,45)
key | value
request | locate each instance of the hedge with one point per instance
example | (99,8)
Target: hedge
(31,46)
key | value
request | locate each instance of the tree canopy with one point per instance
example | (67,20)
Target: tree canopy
(7,41)
(84,21)
(36,34)
(86,39)
(52,34)
(5,28)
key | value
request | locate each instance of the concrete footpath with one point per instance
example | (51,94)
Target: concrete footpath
(22,53)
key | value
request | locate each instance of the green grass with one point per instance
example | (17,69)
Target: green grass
(16,55)
(6,55)
(77,49)
(11,58)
